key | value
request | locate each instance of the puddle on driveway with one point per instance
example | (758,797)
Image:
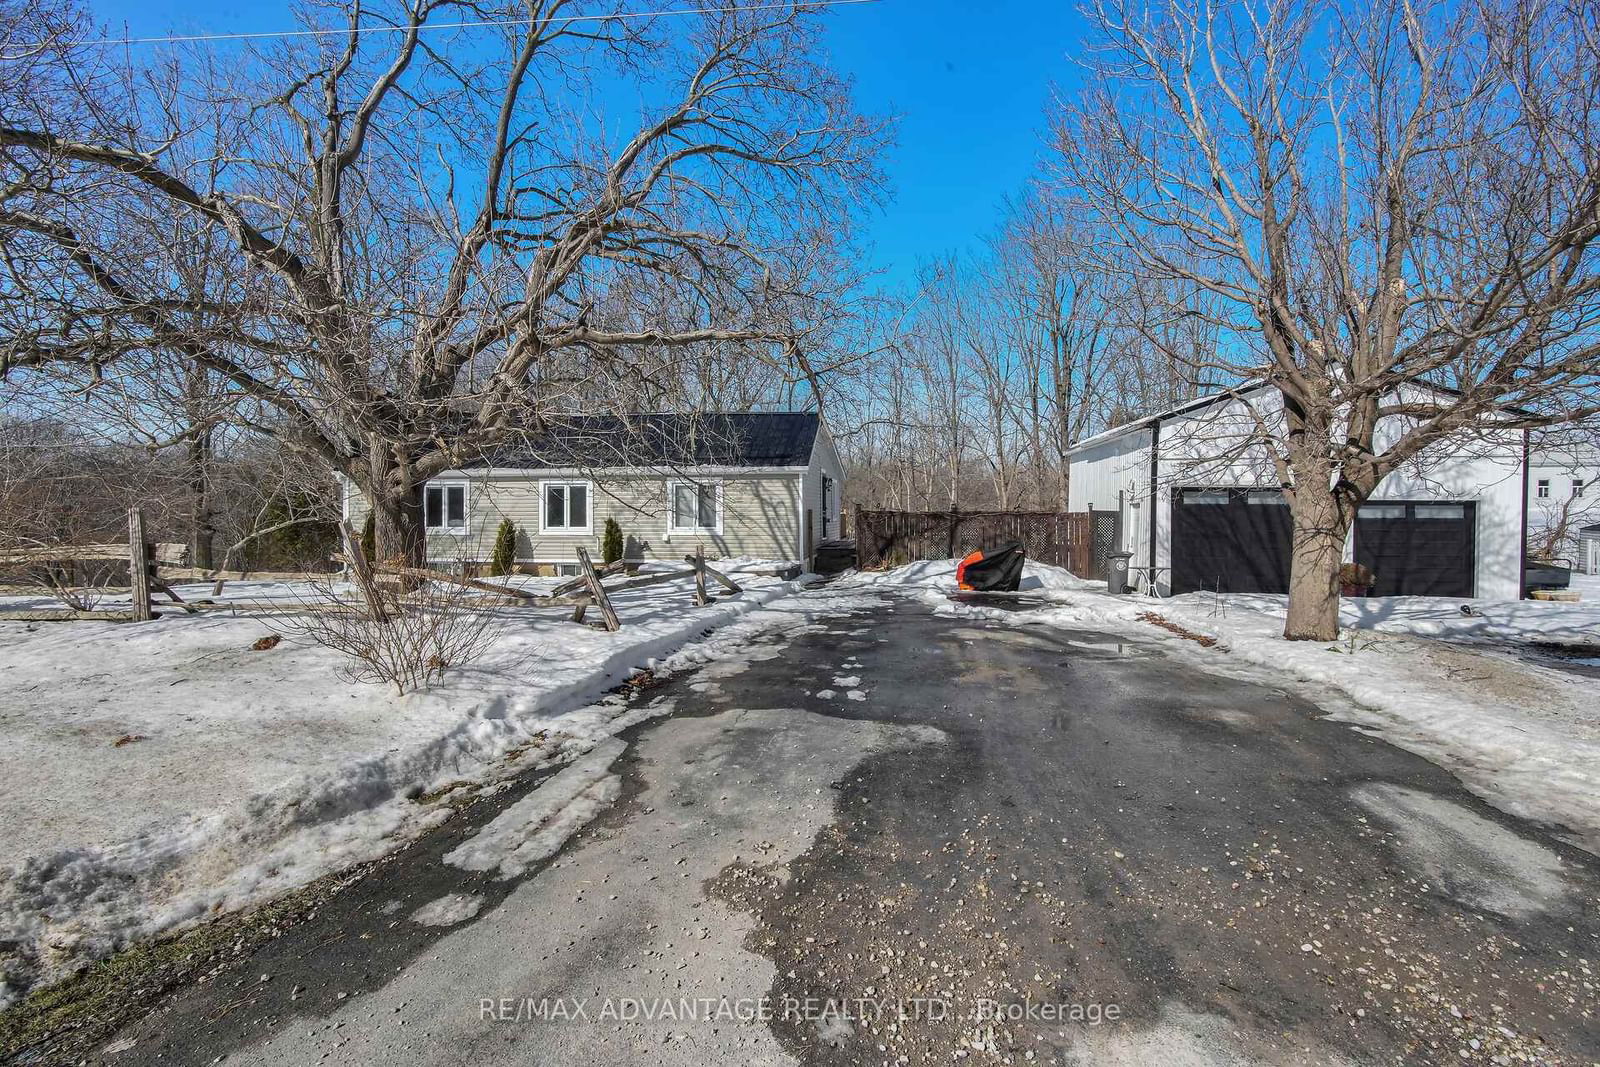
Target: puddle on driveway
(1099,646)
(1581,659)
(1466,856)
(1106,646)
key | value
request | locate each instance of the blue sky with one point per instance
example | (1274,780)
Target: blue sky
(969,80)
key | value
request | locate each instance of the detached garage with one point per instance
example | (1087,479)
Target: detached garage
(1236,539)
(1200,509)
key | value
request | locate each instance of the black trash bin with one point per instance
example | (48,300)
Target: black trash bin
(1117,572)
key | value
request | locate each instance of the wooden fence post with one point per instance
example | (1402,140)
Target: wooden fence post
(363,573)
(598,591)
(699,561)
(139,566)
(715,575)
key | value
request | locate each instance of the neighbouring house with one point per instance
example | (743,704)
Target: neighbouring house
(1200,508)
(1588,558)
(1563,498)
(762,484)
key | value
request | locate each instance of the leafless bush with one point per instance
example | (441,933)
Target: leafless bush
(78,585)
(430,630)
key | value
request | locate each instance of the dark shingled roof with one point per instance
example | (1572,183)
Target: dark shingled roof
(723,439)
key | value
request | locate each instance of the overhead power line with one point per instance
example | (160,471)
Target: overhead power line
(470,25)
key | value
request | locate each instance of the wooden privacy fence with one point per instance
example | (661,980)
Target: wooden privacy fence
(890,538)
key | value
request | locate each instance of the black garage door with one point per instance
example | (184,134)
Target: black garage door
(1230,540)
(1417,548)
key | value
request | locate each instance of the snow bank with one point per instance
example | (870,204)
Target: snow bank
(160,773)
(1490,621)
(938,577)
(1522,735)
(535,827)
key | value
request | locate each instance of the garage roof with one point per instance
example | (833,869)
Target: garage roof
(1212,398)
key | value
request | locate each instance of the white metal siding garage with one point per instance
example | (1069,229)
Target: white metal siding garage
(1199,447)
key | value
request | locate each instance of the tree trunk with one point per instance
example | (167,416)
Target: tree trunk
(1317,550)
(398,533)
(204,531)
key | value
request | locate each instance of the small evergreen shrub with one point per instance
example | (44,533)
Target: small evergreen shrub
(611,542)
(505,548)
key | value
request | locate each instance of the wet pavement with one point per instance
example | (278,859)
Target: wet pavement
(918,838)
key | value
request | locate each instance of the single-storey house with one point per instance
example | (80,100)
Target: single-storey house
(1200,507)
(762,484)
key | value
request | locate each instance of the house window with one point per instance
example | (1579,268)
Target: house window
(566,507)
(1543,489)
(694,507)
(1577,488)
(444,507)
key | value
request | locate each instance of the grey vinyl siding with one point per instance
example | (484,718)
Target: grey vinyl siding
(758,512)
(824,463)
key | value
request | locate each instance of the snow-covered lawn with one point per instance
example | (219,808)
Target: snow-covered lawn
(1462,690)
(153,774)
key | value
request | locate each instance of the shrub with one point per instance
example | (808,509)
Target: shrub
(611,543)
(302,545)
(505,548)
(432,629)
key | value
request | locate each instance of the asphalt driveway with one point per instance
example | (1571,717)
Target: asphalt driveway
(904,837)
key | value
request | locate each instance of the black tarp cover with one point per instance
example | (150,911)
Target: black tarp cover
(992,570)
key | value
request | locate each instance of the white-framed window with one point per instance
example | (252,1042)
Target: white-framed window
(444,507)
(694,507)
(1542,489)
(568,570)
(1577,488)
(564,507)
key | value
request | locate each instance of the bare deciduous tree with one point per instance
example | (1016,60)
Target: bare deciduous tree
(1065,320)
(422,240)
(1390,210)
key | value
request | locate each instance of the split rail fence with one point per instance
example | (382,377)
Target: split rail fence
(383,587)
(587,590)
